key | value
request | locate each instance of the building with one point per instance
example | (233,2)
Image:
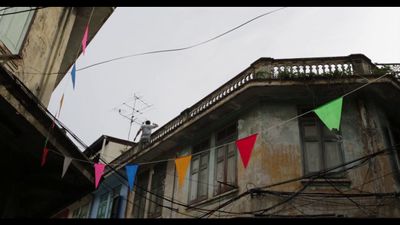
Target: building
(109,200)
(298,168)
(37,48)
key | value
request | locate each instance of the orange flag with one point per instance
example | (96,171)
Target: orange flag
(182,164)
(61,103)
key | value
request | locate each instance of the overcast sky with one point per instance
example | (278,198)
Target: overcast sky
(172,82)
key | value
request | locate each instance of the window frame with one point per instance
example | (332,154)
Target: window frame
(100,204)
(88,210)
(321,139)
(201,146)
(159,168)
(115,201)
(141,178)
(8,54)
(228,138)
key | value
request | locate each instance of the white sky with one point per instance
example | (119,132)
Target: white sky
(174,81)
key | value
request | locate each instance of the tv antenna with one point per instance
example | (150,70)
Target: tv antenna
(130,109)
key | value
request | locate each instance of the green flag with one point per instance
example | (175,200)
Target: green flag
(330,113)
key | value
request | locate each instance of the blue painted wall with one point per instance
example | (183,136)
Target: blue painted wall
(107,186)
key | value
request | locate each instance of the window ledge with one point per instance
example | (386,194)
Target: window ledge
(337,182)
(213,199)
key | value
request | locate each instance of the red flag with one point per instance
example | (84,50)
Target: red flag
(53,124)
(98,172)
(44,156)
(245,147)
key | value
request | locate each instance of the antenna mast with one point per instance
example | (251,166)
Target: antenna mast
(129,112)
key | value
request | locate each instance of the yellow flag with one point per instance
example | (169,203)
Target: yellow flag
(182,164)
(61,103)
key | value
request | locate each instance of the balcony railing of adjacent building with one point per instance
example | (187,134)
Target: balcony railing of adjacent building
(275,69)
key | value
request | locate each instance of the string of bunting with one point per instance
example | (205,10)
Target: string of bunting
(67,159)
(329,113)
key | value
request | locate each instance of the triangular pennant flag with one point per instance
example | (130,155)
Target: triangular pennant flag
(73,73)
(54,123)
(61,103)
(182,164)
(98,172)
(67,161)
(131,173)
(331,113)
(245,147)
(44,156)
(84,39)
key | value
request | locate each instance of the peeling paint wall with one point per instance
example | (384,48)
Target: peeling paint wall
(112,150)
(277,156)
(43,50)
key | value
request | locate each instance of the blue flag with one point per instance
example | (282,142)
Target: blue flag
(73,72)
(131,173)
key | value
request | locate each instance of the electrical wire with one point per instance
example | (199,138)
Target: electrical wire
(264,210)
(362,86)
(21,11)
(125,180)
(271,127)
(337,203)
(312,176)
(5,8)
(167,50)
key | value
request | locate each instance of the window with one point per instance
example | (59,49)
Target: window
(14,27)
(321,147)
(140,195)
(75,213)
(392,139)
(101,213)
(225,169)
(116,202)
(84,210)
(199,172)
(157,187)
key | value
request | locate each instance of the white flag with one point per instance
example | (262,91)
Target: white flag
(67,161)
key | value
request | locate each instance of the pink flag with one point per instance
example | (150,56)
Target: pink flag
(44,156)
(98,170)
(84,40)
(245,147)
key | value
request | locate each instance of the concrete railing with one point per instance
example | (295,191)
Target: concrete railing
(393,68)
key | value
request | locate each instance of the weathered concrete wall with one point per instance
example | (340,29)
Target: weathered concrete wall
(43,50)
(277,156)
(112,150)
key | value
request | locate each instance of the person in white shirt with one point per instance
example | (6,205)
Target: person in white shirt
(146,131)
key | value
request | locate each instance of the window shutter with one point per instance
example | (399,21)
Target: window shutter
(13,28)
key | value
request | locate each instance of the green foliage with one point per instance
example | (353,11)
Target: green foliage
(381,71)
